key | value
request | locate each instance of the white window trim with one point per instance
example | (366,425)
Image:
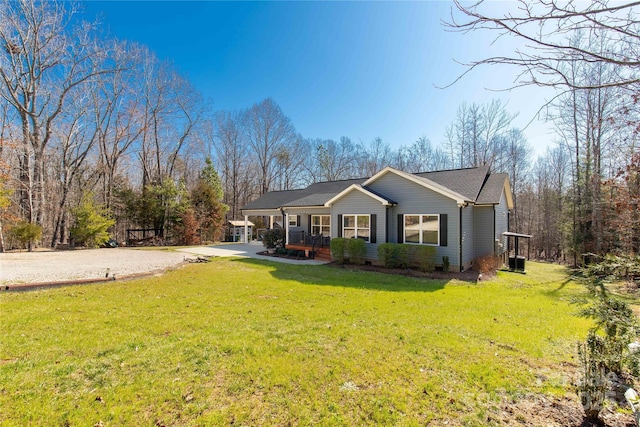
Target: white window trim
(294,218)
(355,228)
(321,226)
(404,229)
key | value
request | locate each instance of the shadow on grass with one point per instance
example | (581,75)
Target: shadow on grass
(324,275)
(569,277)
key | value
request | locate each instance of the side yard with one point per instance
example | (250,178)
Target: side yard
(249,342)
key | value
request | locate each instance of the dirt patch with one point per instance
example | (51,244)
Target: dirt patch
(566,411)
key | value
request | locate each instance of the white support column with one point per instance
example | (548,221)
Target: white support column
(246,229)
(285,218)
(271,222)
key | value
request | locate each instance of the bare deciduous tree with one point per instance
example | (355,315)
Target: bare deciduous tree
(43,60)
(546,28)
(268,131)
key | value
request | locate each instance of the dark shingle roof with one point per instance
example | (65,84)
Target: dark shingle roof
(475,184)
(314,195)
(274,199)
(317,199)
(334,186)
(492,189)
(467,182)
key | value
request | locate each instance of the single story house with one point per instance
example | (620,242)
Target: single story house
(464,213)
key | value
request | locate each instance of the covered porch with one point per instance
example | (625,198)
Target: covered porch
(308,229)
(315,246)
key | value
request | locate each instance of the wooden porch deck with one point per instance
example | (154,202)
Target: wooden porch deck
(323,253)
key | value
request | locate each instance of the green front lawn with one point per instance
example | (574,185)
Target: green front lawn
(257,343)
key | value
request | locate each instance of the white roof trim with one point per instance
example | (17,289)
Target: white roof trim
(360,189)
(508,194)
(424,182)
(306,208)
(240,223)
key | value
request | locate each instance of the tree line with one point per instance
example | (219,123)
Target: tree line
(94,125)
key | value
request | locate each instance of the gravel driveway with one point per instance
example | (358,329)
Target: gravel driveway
(39,267)
(92,264)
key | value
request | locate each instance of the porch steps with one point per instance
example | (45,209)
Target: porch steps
(322,254)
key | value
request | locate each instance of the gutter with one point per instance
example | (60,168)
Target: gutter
(460,238)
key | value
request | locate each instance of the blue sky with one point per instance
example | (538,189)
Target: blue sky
(356,69)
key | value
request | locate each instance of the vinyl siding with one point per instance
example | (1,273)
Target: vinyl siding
(303,224)
(483,238)
(467,236)
(502,221)
(304,213)
(358,203)
(412,198)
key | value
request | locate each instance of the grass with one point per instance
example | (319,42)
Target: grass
(250,342)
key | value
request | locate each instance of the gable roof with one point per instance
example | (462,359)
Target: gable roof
(314,195)
(366,191)
(469,185)
(423,181)
(274,199)
(467,182)
(492,190)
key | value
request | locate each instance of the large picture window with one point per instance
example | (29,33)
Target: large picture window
(321,224)
(356,226)
(422,229)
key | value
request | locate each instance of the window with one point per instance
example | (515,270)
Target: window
(422,229)
(293,220)
(321,224)
(356,226)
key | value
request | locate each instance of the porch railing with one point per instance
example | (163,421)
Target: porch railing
(306,239)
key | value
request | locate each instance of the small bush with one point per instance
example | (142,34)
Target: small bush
(337,246)
(281,251)
(395,255)
(273,238)
(593,384)
(292,252)
(422,257)
(26,233)
(605,355)
(388,255)
(91,223)
(445,264)
(356,249)
(487,264)
(402,250)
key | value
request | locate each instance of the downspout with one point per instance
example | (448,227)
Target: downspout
(460,238)
(494,230)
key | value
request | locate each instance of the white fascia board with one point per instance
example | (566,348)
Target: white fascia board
(508,194)
(358,188)
(259,212)
(304,208)
(424,182)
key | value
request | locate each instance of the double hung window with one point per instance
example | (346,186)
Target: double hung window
(422,229)
(356,226)
(321,224)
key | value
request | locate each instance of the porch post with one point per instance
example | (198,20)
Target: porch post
(246,229)
(285,218)
(270,222)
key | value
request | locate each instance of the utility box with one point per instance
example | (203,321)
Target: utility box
(516,263)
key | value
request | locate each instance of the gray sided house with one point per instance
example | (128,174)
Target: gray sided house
(463,213)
